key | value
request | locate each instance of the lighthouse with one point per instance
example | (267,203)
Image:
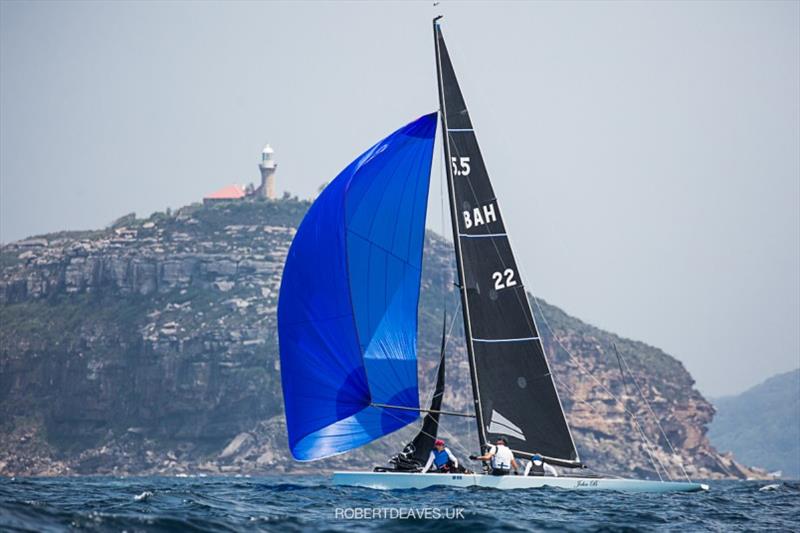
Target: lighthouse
(267,166)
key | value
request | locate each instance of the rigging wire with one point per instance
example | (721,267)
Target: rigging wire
(582,368)
(645,441)
(625,388)
(454,440)
(432,392)
(655,418)
(621,371)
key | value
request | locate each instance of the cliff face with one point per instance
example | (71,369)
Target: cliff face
(151,347)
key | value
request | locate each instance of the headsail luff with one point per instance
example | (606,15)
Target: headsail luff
(515,395)
(347,312)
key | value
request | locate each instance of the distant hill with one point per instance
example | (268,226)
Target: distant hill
(761,426)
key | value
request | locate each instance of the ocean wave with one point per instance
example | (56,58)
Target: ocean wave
(311,503)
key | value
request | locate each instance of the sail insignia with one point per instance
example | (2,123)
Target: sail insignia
(499,424)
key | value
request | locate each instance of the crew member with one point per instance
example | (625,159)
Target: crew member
(537,467)
(441,459)
(501,457)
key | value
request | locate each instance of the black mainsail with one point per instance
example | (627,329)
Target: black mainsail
(515,395)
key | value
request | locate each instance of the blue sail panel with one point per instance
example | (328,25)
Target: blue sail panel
(347,312)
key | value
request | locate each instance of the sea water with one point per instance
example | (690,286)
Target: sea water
(311,503)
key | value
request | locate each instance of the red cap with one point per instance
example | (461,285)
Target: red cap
(438,442)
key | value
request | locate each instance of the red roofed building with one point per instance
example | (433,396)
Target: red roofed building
(266,190)
(231,192)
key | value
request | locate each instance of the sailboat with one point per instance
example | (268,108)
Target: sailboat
(347,316)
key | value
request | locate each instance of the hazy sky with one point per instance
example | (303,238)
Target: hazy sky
(646,155)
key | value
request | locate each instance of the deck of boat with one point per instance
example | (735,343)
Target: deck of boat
(403,480)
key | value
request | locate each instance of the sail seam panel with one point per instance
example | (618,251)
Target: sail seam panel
(396,296)
(520,339)
(479,235)
(371,243)
(348,279)
(371,240)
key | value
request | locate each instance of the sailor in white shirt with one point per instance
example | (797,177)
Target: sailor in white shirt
(501,458)
(537,467)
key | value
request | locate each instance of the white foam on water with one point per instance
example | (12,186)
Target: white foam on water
(143,496)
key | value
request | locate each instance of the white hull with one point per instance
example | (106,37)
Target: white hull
(398,480)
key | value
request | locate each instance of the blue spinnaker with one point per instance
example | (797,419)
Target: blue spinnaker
(347,313)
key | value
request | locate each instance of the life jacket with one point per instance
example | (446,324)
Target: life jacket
(537,469)
(501,460)
(440,458)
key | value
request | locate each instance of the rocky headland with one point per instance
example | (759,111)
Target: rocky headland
(150,347)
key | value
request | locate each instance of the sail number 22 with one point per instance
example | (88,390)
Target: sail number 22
(504,279)
(460,166)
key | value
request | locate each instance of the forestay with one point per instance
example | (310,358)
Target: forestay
(347,313)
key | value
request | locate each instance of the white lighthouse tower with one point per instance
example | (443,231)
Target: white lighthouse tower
(267,168)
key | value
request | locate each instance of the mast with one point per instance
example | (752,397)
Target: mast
(456,242)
